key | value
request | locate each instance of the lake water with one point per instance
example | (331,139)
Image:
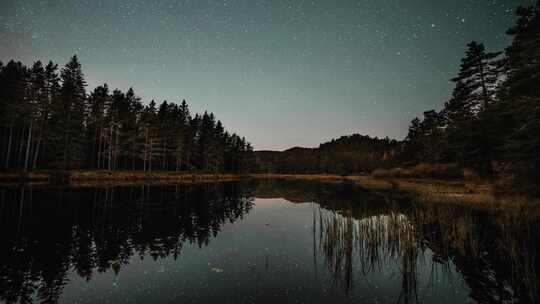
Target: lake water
(258,242)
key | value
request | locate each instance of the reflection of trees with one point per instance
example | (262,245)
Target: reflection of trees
(46,233)
(495,253)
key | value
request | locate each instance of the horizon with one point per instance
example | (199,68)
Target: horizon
(282,74)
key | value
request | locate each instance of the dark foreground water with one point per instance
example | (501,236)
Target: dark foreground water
(258,242)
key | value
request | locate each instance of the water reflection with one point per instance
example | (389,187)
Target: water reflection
(47,232)
(362,240)
(495,253)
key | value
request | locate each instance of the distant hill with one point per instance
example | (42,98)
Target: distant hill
(354,154)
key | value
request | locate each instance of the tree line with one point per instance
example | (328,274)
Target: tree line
(48,121)
(353,154)
(492,120)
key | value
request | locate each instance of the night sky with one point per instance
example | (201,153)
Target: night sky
(281,73)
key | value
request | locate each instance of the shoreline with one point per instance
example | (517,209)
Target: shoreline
(477,194)
(105,177)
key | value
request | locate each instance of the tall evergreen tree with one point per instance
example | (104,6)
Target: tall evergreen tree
(519,111)
(53,96)
(131,128)
(459,115)
(473,95)
(14,107)
(68,117)
(36,109)
(477,76)
(98,101)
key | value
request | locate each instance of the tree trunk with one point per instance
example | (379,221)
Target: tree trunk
(484,87)
(164,160)
(116,148)
(110,146)
(145,148)
(133,155)
(36,152)
(28,145)
(100,144)
(66,140)
(8,152)
(150,156)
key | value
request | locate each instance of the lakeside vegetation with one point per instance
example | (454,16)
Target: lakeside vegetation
(474,193)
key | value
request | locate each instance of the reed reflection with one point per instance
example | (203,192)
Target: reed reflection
(494,253)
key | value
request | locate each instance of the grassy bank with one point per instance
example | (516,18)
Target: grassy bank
(105,176)
(429,171)
(472,191)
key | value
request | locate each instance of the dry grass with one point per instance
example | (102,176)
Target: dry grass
(475,193)
(364,181)
(13,177)
(105,177)
(437,171)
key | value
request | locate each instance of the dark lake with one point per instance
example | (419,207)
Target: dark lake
(268,241)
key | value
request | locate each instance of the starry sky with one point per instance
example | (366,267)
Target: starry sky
(282,73)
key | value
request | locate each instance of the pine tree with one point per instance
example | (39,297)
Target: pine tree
(149,135)
(165,133)
(182,117)
(459,115)
(477,76)
(192,140)
(131,127)
(36,110)
(413,142)
(68,117)
(205,144)
(14,110)
(53,95)
(519,111)
(473,95)
(98,101)
(432,136)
